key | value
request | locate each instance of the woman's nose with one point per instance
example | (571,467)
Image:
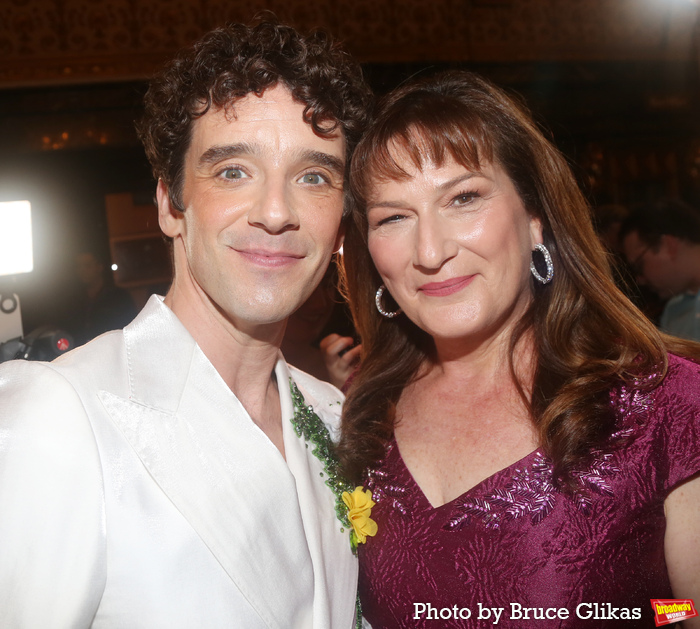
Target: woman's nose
(434,244)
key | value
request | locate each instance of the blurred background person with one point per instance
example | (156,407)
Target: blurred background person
(661,242)
(98,306)
(308,343)
(607,221)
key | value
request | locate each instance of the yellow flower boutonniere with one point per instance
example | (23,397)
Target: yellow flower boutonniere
(359,504)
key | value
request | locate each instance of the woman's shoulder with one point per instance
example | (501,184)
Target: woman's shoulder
(666,409)
(682,380)
(673,422)
(675,398)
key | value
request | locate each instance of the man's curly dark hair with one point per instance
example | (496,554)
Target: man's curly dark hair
(230,62)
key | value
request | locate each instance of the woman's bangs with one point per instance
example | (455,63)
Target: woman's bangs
(432,136)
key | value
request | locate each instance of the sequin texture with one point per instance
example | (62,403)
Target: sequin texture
(308,424)
(515,538)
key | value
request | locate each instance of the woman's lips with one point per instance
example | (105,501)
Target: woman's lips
(448,287)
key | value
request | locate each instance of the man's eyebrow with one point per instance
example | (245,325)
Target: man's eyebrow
(219,152)
(320,158)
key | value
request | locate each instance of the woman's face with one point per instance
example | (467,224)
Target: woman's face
(453,248)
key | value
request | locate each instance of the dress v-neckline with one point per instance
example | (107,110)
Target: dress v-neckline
(475,489)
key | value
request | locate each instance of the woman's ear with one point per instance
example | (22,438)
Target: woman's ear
(171,220)
(340,238)
(535,232)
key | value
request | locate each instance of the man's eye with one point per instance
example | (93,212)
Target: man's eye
(312,178)
(233,173)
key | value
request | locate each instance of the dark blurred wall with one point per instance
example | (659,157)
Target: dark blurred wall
(614,83)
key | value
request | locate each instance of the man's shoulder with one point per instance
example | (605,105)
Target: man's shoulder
(40,405)
(113,352)
(679,316)
(680,304)
(32,376)
(100,359)
(92,366)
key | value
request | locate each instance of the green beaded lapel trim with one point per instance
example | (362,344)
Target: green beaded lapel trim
(308,424)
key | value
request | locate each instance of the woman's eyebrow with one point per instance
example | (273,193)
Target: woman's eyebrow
(387,204)
(456,180)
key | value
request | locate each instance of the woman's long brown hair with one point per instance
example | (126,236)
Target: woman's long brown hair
(588,337)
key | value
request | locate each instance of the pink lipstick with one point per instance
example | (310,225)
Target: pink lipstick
(448,287)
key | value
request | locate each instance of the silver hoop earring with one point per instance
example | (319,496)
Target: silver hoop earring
(378,303)
(547,260)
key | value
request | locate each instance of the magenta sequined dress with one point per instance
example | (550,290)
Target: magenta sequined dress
(514,539)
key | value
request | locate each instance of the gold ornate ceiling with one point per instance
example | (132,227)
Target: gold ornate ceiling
(44,42)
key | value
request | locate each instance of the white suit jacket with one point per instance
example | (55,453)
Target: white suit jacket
(136,492)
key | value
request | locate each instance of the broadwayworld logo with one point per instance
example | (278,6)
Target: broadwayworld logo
(667,611)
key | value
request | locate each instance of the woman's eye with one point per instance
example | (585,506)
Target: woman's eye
(390,219)
(313,179)
(233,173)
(465,198)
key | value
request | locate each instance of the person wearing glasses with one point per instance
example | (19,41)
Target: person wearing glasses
(661,242)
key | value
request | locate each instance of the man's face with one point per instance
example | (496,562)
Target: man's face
(655,267)
(263,199)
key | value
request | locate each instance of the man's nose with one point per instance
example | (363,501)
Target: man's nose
(274,210)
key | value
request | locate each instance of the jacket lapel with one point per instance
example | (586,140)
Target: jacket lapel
(216,466)
(335,567)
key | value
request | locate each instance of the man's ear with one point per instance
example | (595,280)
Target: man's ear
(171,221)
